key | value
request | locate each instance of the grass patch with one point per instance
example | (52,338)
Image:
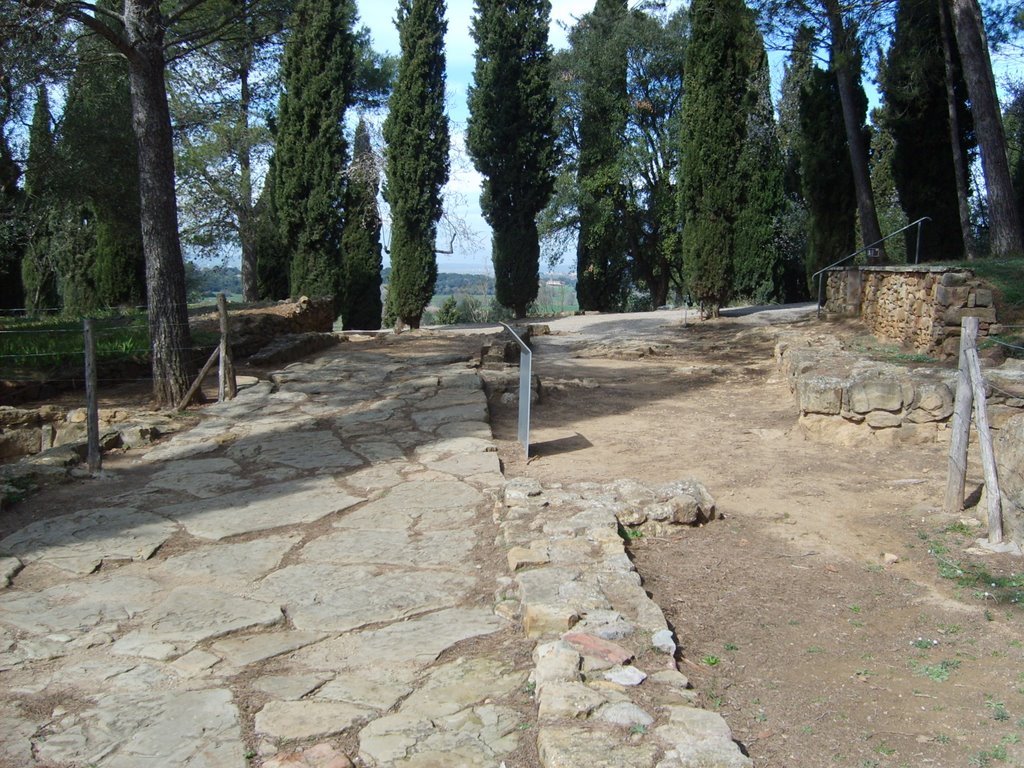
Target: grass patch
(33,347)
(938,672)
(1006,276)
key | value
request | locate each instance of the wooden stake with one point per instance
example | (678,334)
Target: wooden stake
(199,381)
(988,457)
(960,423)
(94,458)
(226,385)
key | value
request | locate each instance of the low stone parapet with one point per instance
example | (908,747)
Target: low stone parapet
(605,679)
(843,395)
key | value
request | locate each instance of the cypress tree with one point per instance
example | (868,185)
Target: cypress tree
(826,172)
(416,133)
(100,175)
(1013,119)
(310,155)
(271,251)
(38,267)
(12,247)
(913,81)
(716,105)
(511,137)
(758,265)
(361,303)
(601,264)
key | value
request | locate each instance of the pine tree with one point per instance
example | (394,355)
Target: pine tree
(511,137)
(826,172)
(601,265)
(38,267)
(310,153)
(361,303)
(416,133)
(716,104)
(913,81)
(1013,119)
(758,264)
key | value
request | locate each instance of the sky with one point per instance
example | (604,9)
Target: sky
(463,190)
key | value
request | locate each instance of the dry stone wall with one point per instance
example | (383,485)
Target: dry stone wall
(919,307)
(842,396)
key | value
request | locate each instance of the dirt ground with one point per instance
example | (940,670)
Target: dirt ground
(790,624)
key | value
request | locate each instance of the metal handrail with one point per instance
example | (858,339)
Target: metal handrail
(917,255)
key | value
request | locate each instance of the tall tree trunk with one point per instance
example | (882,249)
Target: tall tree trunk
(1007,238)
(165,271)
(843,55)
(250,286)
(959,161)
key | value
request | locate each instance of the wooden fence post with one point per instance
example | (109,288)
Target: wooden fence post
(988,457)
(94,458)
(226,384)
(961,424)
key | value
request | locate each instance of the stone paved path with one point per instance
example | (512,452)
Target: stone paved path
(312,576)
(323,553)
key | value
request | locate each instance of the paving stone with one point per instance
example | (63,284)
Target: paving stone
(695,738)
(199,729)
(360,688)
(430,419)
(417,499)
(203,478)
(436,450)
(16,744)
(308,719)
(404,645)
(568,699)
(376,477)
(627,676)
(596,648)
(9,567)
(454,686)
(480,429)
(355,546)
(191,615)
(194,663)
(256,509)
(241,651)
(226,567)
(555,662)
(314,449)
(470,465)
(81,541)
(561,747)
(79,606)
(290,686)
(317,756)
(320,596)
(376,451)
(626,714)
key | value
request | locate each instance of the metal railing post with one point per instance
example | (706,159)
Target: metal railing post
(525,379)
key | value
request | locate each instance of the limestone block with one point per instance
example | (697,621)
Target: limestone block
(820,394)
(954,315)
(697,737)
(556,661)
(883,420)
(568,699)
(523,557)
(952,296)
(875,392)
(541,619)
(933,402)
(578,748)
(982,297)
(950,279)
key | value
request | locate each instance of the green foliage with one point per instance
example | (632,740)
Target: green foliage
(416,132)
(511,137)
(310,153)
(913,81)
(826,172)
(758,265)
(1013,121)
(720,63)
(448,314)
(38,266)
(100,178)
(361,267)
(601,265)
(268,244)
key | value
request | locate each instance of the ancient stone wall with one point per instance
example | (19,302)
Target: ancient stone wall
(919,307)
(844,397)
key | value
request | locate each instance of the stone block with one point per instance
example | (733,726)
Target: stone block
(540,619)
(883,420)
(875,393)
(982,297)
(568,699)
(933,402)
(950,279)
(952,297)
(820,394)
(954,315)
(523,557)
